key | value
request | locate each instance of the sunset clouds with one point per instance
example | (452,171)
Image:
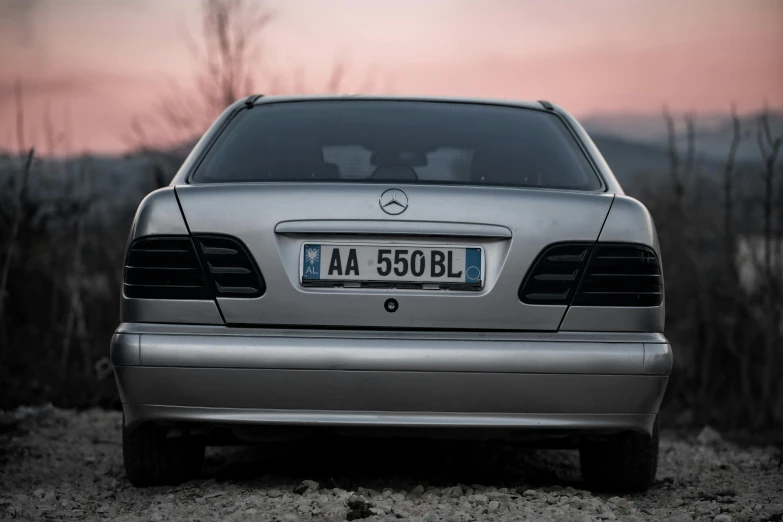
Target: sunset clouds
(106,62)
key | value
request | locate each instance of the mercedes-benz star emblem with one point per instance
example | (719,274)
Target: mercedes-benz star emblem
(394,201)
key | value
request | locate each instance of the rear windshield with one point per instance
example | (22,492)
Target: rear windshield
(372,141)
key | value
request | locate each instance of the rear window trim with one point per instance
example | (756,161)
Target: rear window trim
(231,121)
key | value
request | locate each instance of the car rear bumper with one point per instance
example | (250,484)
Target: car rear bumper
(230,376)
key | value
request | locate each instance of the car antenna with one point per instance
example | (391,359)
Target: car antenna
(548,106)
(251,100)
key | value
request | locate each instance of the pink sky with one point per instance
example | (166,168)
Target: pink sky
(97,64)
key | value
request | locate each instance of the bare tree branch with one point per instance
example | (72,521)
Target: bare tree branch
(769,148)
(728,191)
(674,158)
(20,131)
(229,62)
(10,247)
(690,151)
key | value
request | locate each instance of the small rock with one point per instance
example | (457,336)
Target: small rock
(311,485)
(620,502)
(102,509)
(453,492)
(418,490)
(723,517)
(39,493)
(401,512)
(274,493)
(479,499)
(581,504)
(494,505)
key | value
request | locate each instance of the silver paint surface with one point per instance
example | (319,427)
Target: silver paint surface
(392,391)
(169,311)
(476,359)
(658,359)
(388,354)
(391,228)
(313,333)
(137,413)
(125,349)
(252,211)
(158,215)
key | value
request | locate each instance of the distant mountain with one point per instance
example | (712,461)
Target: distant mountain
(713,132)
(646,127)
(635,146)
(637,164)
(631,161)
(105,180)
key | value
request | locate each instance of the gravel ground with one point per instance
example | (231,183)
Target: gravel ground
(59,464)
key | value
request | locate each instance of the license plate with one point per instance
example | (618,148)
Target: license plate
(392,266)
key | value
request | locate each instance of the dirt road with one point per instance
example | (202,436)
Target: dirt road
(61,465)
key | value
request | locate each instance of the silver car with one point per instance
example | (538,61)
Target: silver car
(372,262)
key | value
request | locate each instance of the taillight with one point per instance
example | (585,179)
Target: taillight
(164,268)
(602,274)
(178,267)
(555,274)
(621,275)
(229,267)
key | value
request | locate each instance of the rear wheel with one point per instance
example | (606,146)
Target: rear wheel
(153,459)
(623,462)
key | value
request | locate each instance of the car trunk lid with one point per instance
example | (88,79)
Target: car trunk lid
(509,226)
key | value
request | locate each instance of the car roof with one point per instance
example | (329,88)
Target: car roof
(537,105)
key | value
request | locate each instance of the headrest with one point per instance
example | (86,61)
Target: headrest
(412,158)
(395,172)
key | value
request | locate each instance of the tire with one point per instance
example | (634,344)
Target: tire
(152,459)
(625,462)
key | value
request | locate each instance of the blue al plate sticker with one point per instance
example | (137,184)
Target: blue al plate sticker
(311,267)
